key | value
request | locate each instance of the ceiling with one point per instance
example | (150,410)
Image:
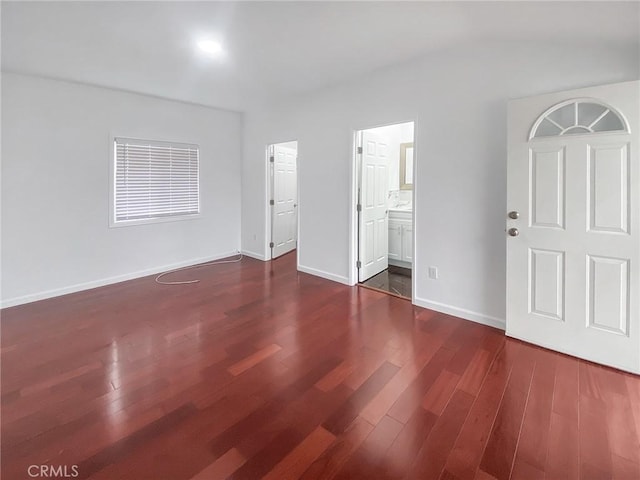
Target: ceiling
(275,49)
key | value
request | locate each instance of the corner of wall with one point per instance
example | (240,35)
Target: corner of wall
(325,275)
(257,256)
(470,315)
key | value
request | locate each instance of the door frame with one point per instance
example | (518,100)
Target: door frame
(269,189)
(353,206)
(524,116)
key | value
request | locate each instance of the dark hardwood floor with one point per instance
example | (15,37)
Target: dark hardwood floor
(391,281)
(260,371)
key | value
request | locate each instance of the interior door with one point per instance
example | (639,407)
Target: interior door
(284,227)
(573,227)
(373,217)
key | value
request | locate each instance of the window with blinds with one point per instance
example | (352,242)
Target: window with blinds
(155,180)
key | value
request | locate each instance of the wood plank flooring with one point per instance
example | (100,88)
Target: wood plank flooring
(259,371)
(392,281)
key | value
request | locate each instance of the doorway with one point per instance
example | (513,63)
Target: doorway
(283,203)
(384,160)
(573,245)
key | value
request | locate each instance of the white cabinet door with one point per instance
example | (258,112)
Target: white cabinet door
(407,242)
(573,248)
(395,240)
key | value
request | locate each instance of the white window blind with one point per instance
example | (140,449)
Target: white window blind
(155,179)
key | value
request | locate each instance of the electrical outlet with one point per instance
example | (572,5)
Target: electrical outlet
(433,273)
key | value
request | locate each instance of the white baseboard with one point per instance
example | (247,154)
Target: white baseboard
(400,263)
(56,292)
(257,256)
(321,273)
(462,313)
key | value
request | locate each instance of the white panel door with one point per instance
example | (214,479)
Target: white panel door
(374,190)
(573,265)
(284,228)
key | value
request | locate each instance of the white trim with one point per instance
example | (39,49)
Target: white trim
(257,256)
(267,206)
(297,250)
(270,189)
(113,139)
(353,209)
(557,106)
(400,263)
(414,209)
(353,219)
(461,313)
(321,273)
(270,179)
(56,292)
(271,151)
(147,221)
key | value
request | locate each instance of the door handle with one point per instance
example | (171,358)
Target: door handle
(513,232)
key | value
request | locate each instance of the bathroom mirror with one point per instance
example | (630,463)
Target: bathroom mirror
(406,166)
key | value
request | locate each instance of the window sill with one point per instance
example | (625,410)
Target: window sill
(146,221)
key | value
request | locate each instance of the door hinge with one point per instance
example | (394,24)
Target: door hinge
(358,264)
(359,149)
(271,159)
(270,244)
(271,202)
(359,207)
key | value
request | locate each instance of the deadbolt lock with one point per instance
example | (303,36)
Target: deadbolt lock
(514,215)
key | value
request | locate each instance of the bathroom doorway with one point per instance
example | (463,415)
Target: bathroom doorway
(384,159)
(283,203)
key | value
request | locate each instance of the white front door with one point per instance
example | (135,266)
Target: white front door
(573,252)
(284,227)
(374,190)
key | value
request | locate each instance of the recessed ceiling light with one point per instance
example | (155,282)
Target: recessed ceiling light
(210,47)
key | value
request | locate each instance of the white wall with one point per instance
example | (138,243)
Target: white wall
(458,99)
(55,187)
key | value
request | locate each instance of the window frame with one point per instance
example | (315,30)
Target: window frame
(534,128)
(112,185)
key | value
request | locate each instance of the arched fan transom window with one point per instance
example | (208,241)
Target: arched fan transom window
(578,117)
